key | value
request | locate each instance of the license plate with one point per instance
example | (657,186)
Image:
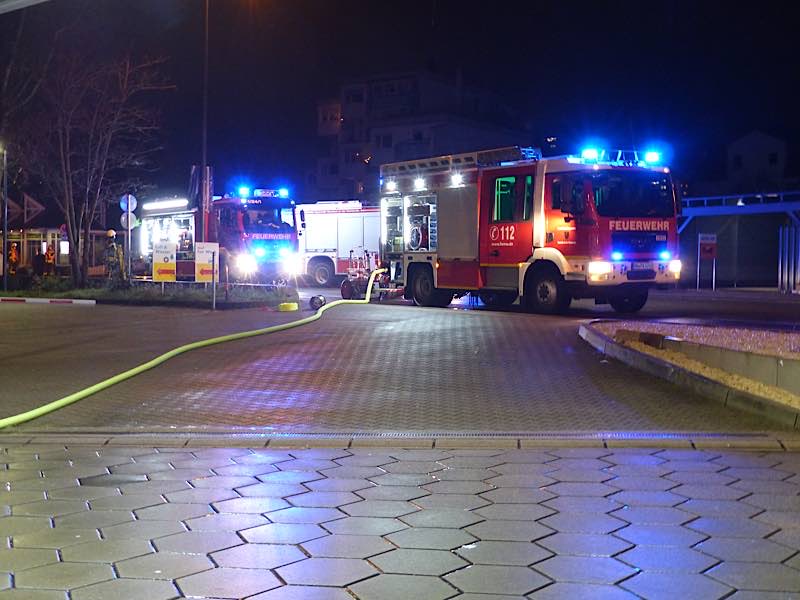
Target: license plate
(642,266)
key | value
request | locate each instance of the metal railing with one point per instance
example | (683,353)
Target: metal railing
(761,199)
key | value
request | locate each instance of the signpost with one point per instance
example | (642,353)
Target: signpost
(164,265)
(707,250)
(128,204)
(206,261)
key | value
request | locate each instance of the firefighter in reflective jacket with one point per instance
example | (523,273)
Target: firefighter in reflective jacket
(13,259)
(114,260)
(49,260)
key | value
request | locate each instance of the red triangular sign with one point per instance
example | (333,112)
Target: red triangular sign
(14,210)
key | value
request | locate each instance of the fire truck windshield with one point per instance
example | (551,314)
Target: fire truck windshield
(271,220)
(633,194)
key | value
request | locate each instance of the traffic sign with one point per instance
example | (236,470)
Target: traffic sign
(206,261)
(164,268)
(128,199)
(707,245)
(123,221)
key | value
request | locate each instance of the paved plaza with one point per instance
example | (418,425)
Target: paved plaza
(388,523)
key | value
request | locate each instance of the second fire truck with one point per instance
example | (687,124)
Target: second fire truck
(509,224)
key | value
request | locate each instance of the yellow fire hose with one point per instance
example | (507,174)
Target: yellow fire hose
(107,383)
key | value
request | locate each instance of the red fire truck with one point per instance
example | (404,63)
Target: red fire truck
(331,234)
(508,224)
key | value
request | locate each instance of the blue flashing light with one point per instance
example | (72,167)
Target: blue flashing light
(652,157)
(590,154)
(244,191)
(616,256)
(260,252)
(283,192)
(665,255)
(284,252)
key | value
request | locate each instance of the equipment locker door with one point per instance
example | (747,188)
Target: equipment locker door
(506,229)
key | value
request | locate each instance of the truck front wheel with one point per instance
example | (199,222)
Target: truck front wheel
(629,302)
(423,291)
(546,293)
(321,272)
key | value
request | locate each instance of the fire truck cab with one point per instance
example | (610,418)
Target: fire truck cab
(509,224)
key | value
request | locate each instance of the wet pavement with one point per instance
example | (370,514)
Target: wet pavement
(384,523)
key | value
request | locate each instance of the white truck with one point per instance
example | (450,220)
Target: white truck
(329,231)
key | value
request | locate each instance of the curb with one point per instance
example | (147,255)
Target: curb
(15,300)
(708,388)
(726,296)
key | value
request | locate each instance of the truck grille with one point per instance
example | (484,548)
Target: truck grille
(638,242)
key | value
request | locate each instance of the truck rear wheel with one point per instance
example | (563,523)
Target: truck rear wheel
(321,272)
(546,293)
(423,291)
(629,302)
(498,298)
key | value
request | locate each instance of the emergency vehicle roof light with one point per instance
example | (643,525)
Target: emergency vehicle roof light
(391,185)
(283,192)
(652,157)
(456,179)
(244,191)
(419,183)
(590,154)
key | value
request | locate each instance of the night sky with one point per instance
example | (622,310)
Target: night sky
(694,75)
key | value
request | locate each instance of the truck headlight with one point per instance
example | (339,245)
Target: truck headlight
(674,267)
(246,264)
(599,267)
(291,264)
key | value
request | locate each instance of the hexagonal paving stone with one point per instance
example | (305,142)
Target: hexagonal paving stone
(197,542)
(19,559)
(485,579)
(379,508)
(582,544)
(654,515)
(323,499)
(258,556)
(93,519)
(640,498)
(464,474)
(521,481)
(443,518)
(514,512)
(585,569)
(63,576)
(18,525)
(203,496)
(418,562)
(578,504)
(20,594)
(733,527)
(392,492)
(767,577)
(402,587)
(129,589)
(173,512)
(709,492)
(457,487)
(303,592)
(452,501)
(583,522)
(365,526)
(106,551)
(675,585)
(326,571)
(284,533)
(430,538)
(226,522)
(298,514)
(420,467)
(250,505)
(289,477)
(582,475)
(271,490)
(667,559)
(143,530)
(352,472)
(509,531)
(347,546)
(126,502)
(50,508)
(55,538)
(712,508)
(310,464)
(579,591)
(163,565)
(774,502)
(660,535)
(225,582)
(739,549)
(339,484)
(219,481)
(566,488)
(503,553)
(403,479)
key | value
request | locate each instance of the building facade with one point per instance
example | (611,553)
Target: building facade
(400,117)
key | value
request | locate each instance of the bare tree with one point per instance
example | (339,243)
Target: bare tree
(93,130)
